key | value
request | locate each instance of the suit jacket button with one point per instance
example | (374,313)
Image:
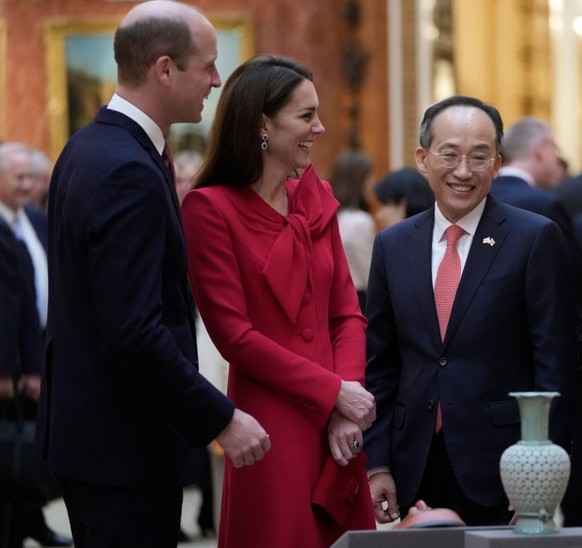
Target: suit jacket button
(307,334)
(430,404)
(442,362)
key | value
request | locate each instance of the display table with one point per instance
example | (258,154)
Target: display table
(570,537)
(459,537)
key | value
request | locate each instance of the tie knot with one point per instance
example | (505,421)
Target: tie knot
(453,233)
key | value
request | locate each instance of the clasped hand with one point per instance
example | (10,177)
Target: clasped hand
(356,404)
(354,412)
(244,440)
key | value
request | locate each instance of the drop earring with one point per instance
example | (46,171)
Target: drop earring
(265,141)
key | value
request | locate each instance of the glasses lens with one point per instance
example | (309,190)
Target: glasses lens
(449,160)
(479,164)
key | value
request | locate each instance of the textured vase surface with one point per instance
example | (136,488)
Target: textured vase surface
(534,471)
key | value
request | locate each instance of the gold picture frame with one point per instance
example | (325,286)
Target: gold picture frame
(82,73)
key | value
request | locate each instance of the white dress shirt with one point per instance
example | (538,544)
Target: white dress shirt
(119,104)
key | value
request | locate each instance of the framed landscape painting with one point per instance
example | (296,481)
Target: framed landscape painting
(82,73)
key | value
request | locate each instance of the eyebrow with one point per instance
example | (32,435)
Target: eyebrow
(479,146)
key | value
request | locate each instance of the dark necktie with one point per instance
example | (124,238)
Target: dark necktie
(169,161)
(445,288)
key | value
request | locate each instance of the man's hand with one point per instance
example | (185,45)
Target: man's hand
(29,385)
(356,403)
(6,388)
(244,440)
(342,433)
(383,492)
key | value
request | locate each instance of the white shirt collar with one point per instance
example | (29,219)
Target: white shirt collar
(152,129)
(468,223)
(512,171)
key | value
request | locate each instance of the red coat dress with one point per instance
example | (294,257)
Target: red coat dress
(277,299)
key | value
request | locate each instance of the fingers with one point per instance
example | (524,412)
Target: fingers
(340,456)
(244,440)
(392,509)
(381,516)
(383,493)
(246,456)
(345,438)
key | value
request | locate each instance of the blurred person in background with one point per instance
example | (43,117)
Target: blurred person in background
(41,169)
(187,164)
(401,194)
(351,174)
(28,227)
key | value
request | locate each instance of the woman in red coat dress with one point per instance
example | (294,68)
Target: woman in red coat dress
(273,287)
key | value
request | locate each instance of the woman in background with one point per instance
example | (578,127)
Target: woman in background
(274,290)
(402,193)
(351,175)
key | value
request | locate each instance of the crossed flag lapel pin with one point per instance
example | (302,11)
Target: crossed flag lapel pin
(489,240)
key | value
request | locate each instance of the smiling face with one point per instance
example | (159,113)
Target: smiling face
(293,129)
(16,181)
(193,84)
(462,130)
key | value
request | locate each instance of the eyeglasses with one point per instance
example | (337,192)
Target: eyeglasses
(450,160)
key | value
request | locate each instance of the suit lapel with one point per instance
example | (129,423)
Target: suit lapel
(419,250)
(112,117)
(487,243)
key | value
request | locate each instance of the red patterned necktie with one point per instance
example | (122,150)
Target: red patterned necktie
(169,161)
(445,288)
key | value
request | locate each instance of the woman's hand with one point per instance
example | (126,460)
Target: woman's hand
(345,438)
(356,403)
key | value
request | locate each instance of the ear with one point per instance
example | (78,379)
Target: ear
(496,165)
(163,67)
(420,155)
(265,120)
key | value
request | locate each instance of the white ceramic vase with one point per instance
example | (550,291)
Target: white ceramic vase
(534,471)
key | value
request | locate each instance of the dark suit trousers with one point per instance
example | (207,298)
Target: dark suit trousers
(112,517)
(440,489)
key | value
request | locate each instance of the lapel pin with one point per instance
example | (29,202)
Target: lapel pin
(489,240)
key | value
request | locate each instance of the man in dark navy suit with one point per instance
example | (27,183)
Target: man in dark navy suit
(442,379)
(25,233)
(124,413)
(529,169)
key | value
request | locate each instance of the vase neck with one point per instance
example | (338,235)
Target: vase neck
(535,411)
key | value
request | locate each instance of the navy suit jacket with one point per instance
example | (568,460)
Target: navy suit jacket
(21,348)
(511,329)
(517,192)
(123,403)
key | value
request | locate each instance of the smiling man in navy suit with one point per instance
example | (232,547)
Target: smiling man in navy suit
(441,381)
(124,413)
